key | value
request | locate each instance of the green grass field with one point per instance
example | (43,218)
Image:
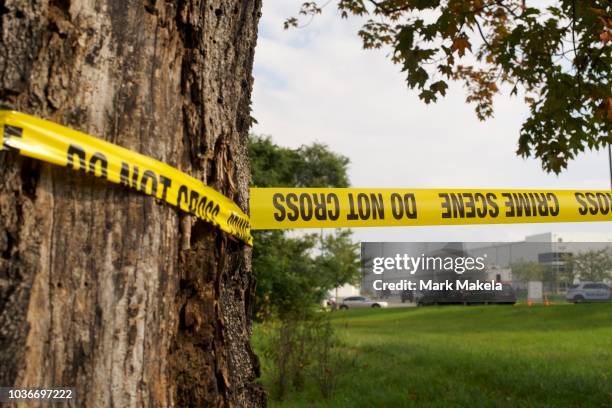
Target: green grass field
(456,356)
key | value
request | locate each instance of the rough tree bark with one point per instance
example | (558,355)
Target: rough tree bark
(101,288)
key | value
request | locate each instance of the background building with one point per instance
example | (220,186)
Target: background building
(549,250)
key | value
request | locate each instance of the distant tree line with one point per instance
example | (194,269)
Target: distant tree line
(588,266)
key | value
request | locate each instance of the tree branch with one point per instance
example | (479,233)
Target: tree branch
(481,33)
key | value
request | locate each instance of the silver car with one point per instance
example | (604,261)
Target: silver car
(355,302)
(589,292)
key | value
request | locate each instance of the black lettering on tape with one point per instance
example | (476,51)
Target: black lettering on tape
(534,208)
(509,204)
(291,201)
(352,215)
(363,206)
(410,206)
(470,205)
(193,201)
(124,175)
(458,208)
(592,200)
(146,176)
(494,211)
(542,203)
(280,214)
(594,203)
(319,206)
(531,204)
(74,150)
(378,206)
(200,211)
(334,213)
(239,226)
(584,208)
(306,207)
(521,204)
(446,205)
(166,183)
(604,203)
(135,173)
(405,206)
(209,210)
(554,211)
(480,204)
(93,162)
(368,207)
(182,197)
(397,207)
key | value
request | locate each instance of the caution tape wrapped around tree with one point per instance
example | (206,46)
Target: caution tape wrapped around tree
(52,143)
(286,208)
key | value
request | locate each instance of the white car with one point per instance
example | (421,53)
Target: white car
(356,302)
(589,292)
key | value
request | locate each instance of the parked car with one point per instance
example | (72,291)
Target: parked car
(589,292)
(356,302)
(505,296)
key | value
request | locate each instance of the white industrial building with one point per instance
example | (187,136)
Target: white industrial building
(547,249)
(541,247)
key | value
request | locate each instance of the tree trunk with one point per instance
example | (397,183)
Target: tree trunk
(103,289)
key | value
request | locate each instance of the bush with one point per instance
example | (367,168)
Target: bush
(298,345)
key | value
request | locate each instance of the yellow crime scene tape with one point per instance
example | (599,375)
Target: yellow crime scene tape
(52,143)
(281,208)
(286,208)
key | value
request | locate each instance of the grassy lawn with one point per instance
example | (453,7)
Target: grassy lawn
(491,356)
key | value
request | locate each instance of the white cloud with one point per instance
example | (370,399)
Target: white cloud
(318,84)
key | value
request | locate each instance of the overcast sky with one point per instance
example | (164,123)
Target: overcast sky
(317,84)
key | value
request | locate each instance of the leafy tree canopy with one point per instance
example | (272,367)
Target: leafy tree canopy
(556,53)
(308,166)
(287,277)
(594,265)
(527,271)
(294,272)
(339,260)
